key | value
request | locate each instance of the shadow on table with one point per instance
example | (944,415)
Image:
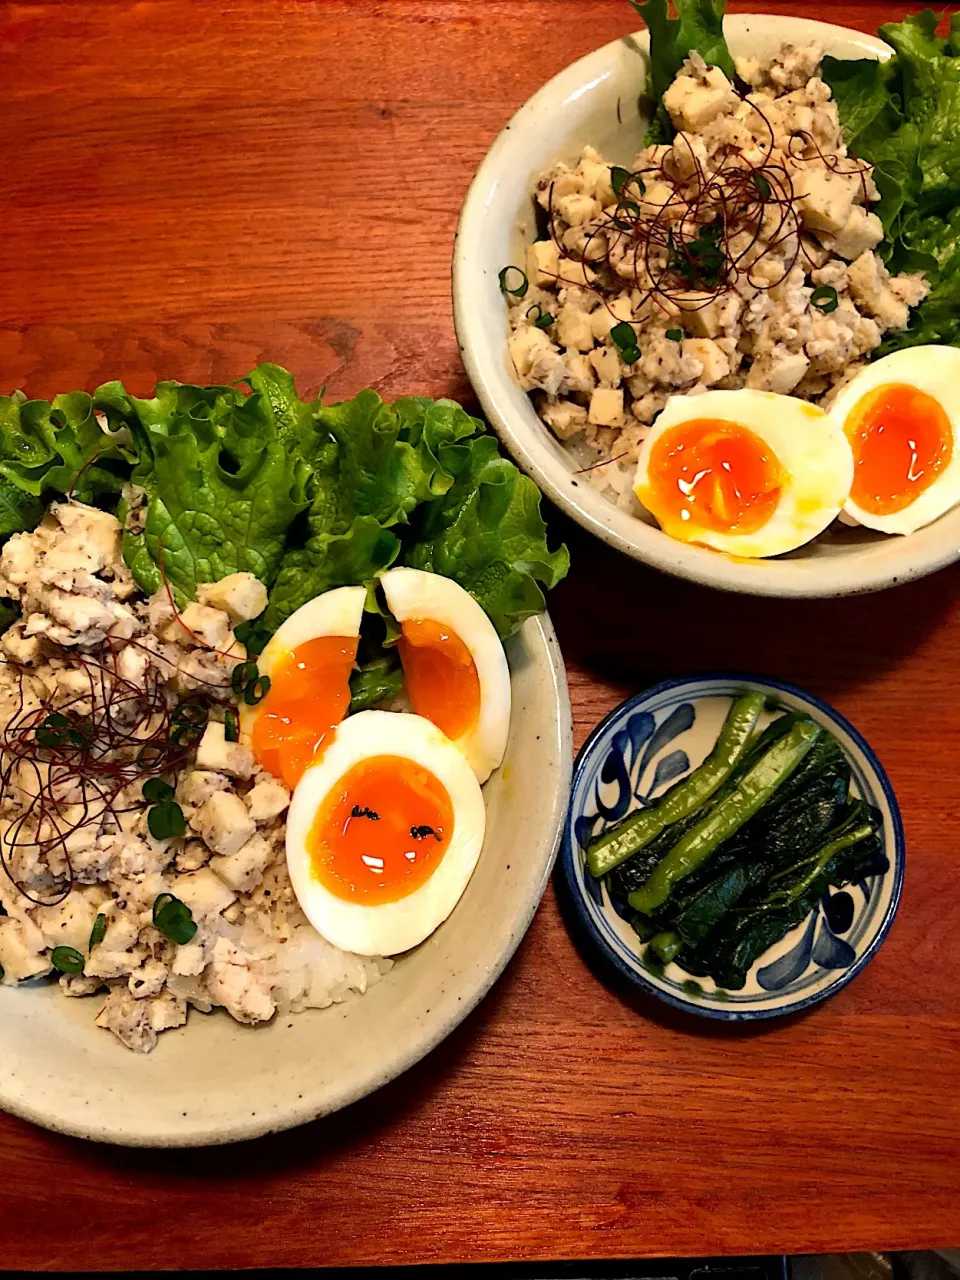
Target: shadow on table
(648,1006)
(631,625)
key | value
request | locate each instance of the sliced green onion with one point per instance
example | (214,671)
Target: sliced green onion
(675,335)
(523,284)
(98,932)
(166,821)
(543,321)
(242,675)
(186,735)
(825,298)
(625,336)
(174,919)
(629,207)
(764,190)
(66,960)
(160,902)
(231,727)
(619,177)
(256,690)
(150,755)
(51,731)
(155,790)
(253,636)
(189,713)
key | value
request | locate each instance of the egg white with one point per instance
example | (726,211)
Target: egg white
(392,927)
(811,449)
(936,371)
(335,613)
(416,594)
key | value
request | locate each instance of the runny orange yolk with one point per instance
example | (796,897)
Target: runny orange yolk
(901,440)
(381,832)
(712,474)
(441,676)
(308,697)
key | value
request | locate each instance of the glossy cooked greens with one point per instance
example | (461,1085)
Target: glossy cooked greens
(716,914)
(305,496)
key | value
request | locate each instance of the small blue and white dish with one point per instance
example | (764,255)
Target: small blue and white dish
(644,746)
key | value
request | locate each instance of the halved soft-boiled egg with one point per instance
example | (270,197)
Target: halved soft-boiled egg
(454,666)
(383,833)
(901,417)
(748,472)
(308,661)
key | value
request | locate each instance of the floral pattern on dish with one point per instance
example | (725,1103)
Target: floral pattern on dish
(632,757)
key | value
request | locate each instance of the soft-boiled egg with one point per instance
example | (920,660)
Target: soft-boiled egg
(751,473)
(454,667)
(383,833)
(308,661)
(901,417)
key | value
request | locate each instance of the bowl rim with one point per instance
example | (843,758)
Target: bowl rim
(567,869)
(861,572)
(306,1109)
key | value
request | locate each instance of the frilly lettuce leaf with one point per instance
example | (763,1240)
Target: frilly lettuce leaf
(487,533)
(305,496)
(222,488)
(903,117)
(51,450)
(373,465)
(698,27)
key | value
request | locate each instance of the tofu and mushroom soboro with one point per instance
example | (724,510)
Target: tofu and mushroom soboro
(740,255)
(163,898)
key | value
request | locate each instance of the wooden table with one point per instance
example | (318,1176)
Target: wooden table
(189,188)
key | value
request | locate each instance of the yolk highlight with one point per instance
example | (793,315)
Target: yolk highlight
(901,440)
(441,676)
(308,697)
(381,832)
(712,474)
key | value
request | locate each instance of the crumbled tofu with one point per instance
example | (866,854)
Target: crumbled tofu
(825,199)
(244,869)
(223,822)
(204,892)
(693,101)
(606,407)
(861,232)
(269,798)
(241,596)
(219,756)
(543,262)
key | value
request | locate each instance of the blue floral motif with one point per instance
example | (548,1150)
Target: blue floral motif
(822,946)
(632,760)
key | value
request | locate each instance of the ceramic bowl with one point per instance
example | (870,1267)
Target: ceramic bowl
(215,1081)
(595,101)
(650,741)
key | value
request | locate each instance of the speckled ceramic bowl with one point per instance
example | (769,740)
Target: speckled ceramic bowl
(650,741)
(215,1081)
(595,101)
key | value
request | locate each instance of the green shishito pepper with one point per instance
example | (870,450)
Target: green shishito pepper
(754,790)
(686,797)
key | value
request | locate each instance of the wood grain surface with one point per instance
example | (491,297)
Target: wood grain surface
(187,188)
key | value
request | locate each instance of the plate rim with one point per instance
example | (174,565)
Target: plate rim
(898,859)
(301,1112)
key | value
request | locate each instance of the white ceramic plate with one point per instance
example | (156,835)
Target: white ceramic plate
(582,105)
(215,1081)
